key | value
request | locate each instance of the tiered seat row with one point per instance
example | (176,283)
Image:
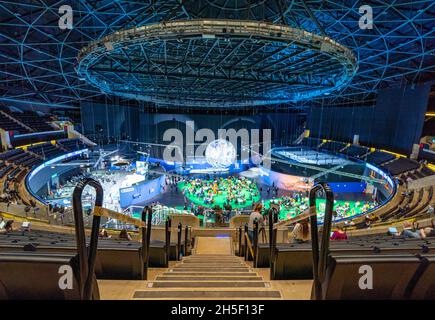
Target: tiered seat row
(333,146)
(356,151)
(71,144)
(9,125)
(117,259)
(378,157)
(402,268)
(33,120)
(20,158)
(5,170)
(45,150)
(400,166)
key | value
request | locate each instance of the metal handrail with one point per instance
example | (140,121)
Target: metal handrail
(186,240)
(146,239)
(179,231)
(240,240)
(86,258)
(248,245)
(255,243)
(320,255)
(168,224)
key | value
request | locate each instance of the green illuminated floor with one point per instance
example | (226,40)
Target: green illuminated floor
(352,208)
(250,194)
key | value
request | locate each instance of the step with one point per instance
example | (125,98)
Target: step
(211,265)
(208,278)
(198,269)
(204,265)
(202,256)
(208,284)
(207,294)
(210,273)
(211,261)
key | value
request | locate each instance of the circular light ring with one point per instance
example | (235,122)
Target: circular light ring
(328,64)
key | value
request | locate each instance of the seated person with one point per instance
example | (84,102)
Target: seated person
(124,235)
(409,232)
(8,226)
(301,232)
(339,234)
(103,234)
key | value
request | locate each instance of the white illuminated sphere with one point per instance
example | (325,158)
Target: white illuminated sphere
(220,153)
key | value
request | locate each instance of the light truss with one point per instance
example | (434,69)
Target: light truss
(216,63)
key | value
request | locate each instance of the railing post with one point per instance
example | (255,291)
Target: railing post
(270,218)
(168,239)
(240,241)
(186,239)
(144,244)
(86,257)
(255,243)
(273,253)
(245,234)
(179,230)
(146,238)
(320,255)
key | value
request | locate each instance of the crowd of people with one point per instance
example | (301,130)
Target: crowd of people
(297,202)
(237,190)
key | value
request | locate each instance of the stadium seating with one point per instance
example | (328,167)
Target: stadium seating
(33,120)
(45,150)
(356,151)
(332,146)
(294,261)
(392,276)
(8,124)
(18,269)
(379,157)
(116,259)
(400,165)
(71,144)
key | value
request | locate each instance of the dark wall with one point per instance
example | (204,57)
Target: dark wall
(101,121)
(394,122)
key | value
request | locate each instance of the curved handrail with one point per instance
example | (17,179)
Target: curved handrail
(320,256)
(87,257)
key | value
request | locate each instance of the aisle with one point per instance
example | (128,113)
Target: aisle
(213,246)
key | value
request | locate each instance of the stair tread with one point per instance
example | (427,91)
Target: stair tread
(244,274)
(202,294)
(209,278)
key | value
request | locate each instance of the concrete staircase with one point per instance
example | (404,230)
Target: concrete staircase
(208,276)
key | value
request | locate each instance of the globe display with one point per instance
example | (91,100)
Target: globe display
(220,153)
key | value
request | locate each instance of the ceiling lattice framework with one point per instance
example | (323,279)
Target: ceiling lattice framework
(216,63)
(38,60)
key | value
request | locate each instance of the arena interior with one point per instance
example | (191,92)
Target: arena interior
(217,150)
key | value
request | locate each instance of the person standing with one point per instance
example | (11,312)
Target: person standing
(255,215)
